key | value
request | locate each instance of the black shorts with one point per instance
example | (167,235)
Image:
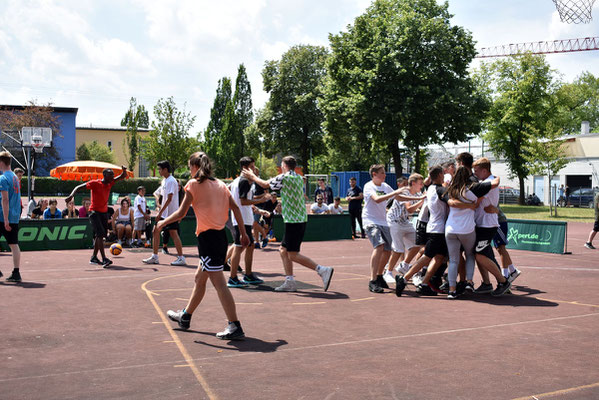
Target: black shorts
(500,238)
(293,236)
(12,236)
(421,233)
(435,245)
(484,239)
(99,221)
(172,227)
(248,230)
(596,226)
(212,248)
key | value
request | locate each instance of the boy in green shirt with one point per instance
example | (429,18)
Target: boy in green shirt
(291,186)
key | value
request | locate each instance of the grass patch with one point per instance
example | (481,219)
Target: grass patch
(571,214)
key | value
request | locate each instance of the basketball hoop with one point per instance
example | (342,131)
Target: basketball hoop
(38,146)
(575,11)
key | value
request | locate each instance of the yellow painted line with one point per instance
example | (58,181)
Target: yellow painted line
(310,303)
(157,322)
(211,395)
(570,302)
(181,298)
(365,298)
(168,341)
(559,392)
(181,366)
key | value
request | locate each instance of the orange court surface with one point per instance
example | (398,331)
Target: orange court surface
(76,331)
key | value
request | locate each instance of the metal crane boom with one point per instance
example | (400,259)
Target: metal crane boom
(555,46)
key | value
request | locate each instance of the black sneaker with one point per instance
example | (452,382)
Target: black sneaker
(252,279)
(461,288)
(381,282)
(501,288)
(425,290)
(95,260)
(400,285)
(469,287)
(589,245)
(226,267)
(14,277)
(374,287)
(239,269)
(1,274)
(180,317)
(106,263)
(452,295)
(444,288)
(232,331)
(484,288)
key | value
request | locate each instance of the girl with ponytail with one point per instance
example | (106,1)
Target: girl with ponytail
(211,202)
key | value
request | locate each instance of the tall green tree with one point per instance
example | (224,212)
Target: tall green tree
(578,101)
(136,117)
(169,136)
(95,151)
(244,113)
(212,140)
(521,90)
(292,121)
(400,73)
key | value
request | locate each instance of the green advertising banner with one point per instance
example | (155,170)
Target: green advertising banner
(532,235)
(76,233)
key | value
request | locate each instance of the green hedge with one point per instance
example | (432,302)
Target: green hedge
(48,186)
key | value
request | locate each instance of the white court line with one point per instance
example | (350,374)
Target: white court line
(179,362)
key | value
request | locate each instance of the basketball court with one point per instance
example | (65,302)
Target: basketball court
(73,330)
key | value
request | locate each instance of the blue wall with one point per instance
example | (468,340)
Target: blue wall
(64,141)
(362,178)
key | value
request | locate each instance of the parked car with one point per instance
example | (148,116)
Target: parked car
(583,197)
(508,195)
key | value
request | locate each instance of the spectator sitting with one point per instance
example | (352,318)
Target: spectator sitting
(533,200)
(52,212)
(110,232)
(38,212)
(84,210)
(31,206)
(319,207)
(70,211)
(336,208)
(123,222)
(325,191)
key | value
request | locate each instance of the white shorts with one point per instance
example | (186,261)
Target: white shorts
(403,237)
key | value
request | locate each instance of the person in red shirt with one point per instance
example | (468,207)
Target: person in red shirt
(98,211)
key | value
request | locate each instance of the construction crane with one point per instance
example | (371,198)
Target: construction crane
(555,46)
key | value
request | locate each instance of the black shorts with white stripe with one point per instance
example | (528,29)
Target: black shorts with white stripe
(212,248)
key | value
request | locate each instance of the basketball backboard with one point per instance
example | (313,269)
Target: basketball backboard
(36,137)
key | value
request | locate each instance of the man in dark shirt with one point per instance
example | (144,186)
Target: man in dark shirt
(326,191)
(354,197)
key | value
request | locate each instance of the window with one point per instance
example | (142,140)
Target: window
(109,144)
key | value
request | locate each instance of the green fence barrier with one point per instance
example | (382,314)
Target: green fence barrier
(319,227)
(53,234)
(545,236)
(76,233)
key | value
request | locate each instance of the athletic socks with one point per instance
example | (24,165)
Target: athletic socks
(289,278)
(511,268)
(319,268)
(505,272)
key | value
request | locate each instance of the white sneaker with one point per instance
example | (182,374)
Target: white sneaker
(402,268)
(326,273)
(179,261)
(417,280)
(287,286)
(388,276)
(513,275)
(231,332)
(151,260)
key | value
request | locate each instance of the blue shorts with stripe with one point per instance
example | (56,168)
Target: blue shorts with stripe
(500,238)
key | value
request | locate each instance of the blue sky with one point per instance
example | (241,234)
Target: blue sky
(95,55)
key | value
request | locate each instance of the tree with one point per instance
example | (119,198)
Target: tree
(292,122)
(578,101)
(82,153)
(244,113)
(520,89)
(12,120)
(212,140)
(98,152)
(400,73)
(168,138)
(135,118)
(546,156)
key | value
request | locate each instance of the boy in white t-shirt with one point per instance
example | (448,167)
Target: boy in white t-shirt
(140,216)
(374,219)
(336,208)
